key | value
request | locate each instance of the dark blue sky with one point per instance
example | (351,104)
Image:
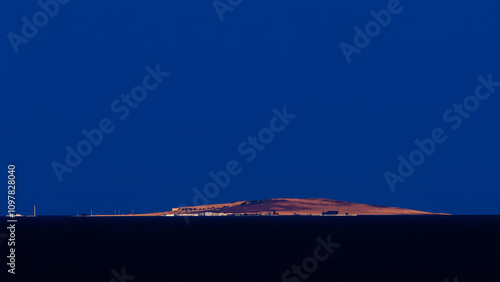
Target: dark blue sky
(352,120)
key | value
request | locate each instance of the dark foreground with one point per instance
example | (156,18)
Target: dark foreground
(381,248)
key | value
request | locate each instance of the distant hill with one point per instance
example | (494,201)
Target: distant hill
(314,206)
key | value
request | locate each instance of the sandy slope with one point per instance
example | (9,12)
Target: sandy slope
(294,206)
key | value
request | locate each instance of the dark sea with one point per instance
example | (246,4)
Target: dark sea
(281,248)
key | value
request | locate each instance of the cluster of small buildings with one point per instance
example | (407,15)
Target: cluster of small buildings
(336,213)
(205,214)
(193,212)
